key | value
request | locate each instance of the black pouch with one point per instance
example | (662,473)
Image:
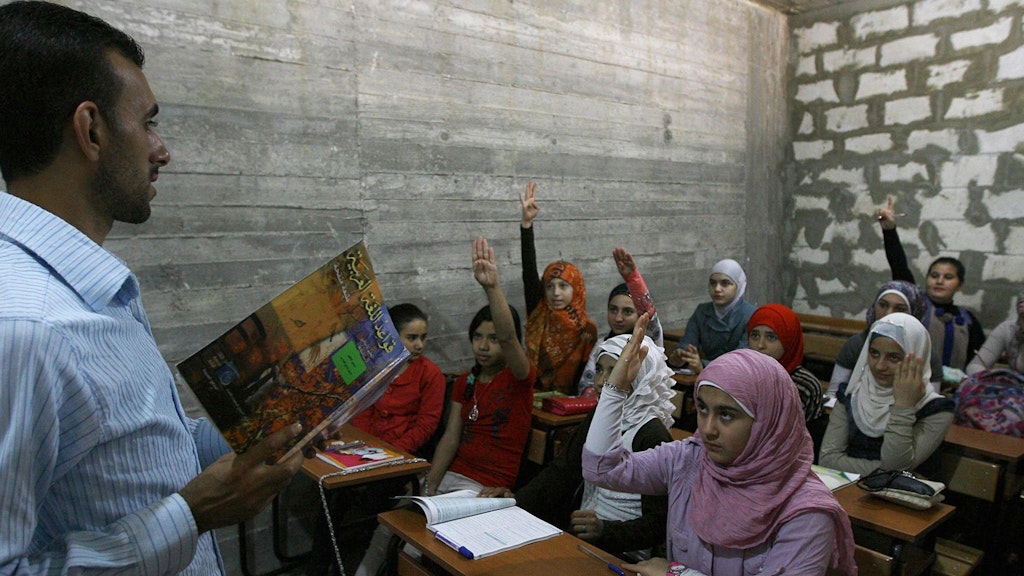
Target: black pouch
(903,488)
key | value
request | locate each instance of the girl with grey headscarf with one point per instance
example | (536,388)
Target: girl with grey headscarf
(718,326)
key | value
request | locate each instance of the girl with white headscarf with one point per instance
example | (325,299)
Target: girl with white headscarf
(622,523)
(718,326)
(888,416)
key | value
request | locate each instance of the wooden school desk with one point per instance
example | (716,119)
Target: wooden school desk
(558,555)
(315,468)
(903,525)
(541,446)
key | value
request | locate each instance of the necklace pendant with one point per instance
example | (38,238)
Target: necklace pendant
(473,413)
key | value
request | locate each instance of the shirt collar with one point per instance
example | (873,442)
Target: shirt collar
(96,275)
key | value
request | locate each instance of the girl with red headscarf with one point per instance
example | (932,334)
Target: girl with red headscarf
(559,335)
(775,330)
(742,496)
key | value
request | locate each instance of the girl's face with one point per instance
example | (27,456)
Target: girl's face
(621,315)
(943,283)
(602,371)
(724,426)
(766,341)
(414,336)
(884,356)
(721,288)
(486,348)
(558,293)
(888,304)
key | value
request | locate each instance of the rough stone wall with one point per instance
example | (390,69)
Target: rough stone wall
(298,127)
(923,101)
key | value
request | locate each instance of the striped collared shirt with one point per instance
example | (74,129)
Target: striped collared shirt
(94,444)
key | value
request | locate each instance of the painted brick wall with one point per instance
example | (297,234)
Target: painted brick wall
(300,126)
(923,101)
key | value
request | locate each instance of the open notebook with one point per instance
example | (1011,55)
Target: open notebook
(479,527)
(834,479)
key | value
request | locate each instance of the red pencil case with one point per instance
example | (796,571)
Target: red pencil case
(566,405)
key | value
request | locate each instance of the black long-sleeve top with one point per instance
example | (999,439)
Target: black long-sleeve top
(555,493)
(900,268)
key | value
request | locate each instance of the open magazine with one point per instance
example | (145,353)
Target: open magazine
(357,456)
(318,353)
(479,527)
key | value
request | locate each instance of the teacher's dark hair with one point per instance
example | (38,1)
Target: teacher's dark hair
(52,58)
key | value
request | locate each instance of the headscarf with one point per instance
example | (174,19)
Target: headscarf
(911,294)
(786,326)
(771,480)
(734,271)
(558,342)
(652,388)
(870,401)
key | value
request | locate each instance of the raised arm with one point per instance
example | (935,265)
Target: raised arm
(894,252)
(532,288)
(485,271)
(639,293)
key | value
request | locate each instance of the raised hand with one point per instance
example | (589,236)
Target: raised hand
(485,270)
(624,262)
(632,357)
(529,204)
(908,385)
(887,215)
(236,487)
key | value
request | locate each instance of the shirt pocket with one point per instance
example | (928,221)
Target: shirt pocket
(755,565)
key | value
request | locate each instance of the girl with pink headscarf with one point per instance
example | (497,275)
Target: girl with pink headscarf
(742,496)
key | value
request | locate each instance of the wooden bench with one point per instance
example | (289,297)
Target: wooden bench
(824,336)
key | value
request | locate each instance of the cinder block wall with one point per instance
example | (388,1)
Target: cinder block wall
(923,101)
(298,127)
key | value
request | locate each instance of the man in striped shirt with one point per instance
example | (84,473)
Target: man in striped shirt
(100,469)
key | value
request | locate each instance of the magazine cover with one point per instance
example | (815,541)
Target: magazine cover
(320,352)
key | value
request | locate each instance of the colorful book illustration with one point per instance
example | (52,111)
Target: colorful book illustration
(358,457)
(480,527)
(834,479)
(318,353)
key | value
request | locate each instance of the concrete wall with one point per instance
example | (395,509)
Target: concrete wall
(923,101)
(298,127)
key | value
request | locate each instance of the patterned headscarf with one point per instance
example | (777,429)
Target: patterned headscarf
(558,342)
(652,388)
(786,326)
(870,401)
(734,271)
(915,298)
(771,480)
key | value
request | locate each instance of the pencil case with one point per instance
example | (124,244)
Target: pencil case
(567,405)
(903,488)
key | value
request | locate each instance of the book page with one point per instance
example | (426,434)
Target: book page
(492,532)
(834,479)
(459,504)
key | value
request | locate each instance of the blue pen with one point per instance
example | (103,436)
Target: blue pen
(594,555)
(460,549)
